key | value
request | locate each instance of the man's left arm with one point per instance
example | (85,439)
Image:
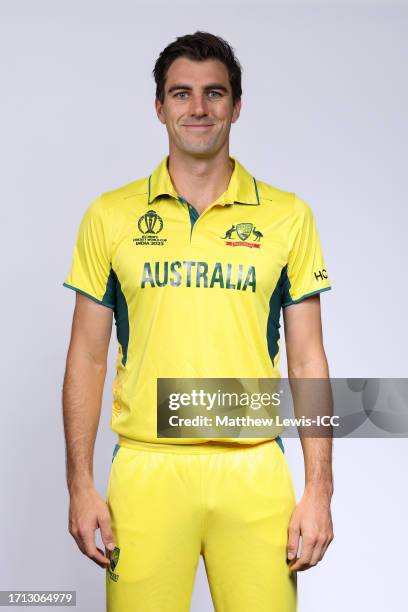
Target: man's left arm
(311,518)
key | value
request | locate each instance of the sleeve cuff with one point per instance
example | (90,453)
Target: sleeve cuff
(88,295)
(306,295)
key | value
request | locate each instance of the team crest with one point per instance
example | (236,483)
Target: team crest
(149,225)
(243,231)
(114,559)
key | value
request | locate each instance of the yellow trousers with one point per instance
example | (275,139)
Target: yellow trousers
(170,505)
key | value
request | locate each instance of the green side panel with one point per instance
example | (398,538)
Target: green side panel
(278,439)
(110,292)
(115,451)
(114,292)
(285,286)
(275,304)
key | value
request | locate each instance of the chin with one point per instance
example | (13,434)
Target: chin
(197,149)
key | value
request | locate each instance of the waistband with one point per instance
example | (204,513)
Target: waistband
(209,446)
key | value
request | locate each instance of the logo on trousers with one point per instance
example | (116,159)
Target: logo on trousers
(114,559)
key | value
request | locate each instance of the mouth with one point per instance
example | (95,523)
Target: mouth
(199,127)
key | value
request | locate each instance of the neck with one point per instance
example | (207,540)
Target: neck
(200,181)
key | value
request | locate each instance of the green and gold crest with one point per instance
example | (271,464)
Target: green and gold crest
(114,558)
(244,230)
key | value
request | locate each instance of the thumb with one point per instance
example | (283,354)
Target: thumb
(106,532)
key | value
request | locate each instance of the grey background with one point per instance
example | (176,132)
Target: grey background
(324,114)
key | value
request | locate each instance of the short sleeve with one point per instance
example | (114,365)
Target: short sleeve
(306,272)
(91,272)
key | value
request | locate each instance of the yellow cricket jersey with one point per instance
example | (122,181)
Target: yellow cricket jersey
(194,296)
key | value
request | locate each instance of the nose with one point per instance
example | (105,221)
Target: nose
(198,106)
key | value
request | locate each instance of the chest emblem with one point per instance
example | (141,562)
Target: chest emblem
(243,231)
(149,225)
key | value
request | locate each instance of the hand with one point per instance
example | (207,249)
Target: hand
(312,520)
(88,512)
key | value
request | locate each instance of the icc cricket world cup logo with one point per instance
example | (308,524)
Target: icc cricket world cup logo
(150,223)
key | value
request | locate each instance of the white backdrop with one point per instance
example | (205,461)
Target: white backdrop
(324,114)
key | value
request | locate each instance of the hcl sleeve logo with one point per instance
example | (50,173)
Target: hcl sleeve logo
(320,275)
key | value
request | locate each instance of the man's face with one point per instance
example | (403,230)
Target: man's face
(197,108)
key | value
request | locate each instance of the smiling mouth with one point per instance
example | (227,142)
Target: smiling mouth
(199,126)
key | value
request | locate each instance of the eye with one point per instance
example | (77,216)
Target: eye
(181,94)
(217,94)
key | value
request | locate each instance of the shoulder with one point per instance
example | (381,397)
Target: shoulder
(119,196)
(278,201)
(270,193)
(286,201)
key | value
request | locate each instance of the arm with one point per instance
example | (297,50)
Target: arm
(312,517)
(82,397)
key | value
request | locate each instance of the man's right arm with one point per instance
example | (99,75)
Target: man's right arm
(82,400)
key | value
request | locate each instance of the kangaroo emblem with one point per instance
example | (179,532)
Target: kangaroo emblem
(229,232)
(258,235)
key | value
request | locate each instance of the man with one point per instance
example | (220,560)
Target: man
(195,261)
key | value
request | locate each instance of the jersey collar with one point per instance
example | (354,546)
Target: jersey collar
(242,188)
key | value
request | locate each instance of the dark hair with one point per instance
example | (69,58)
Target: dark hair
(199,46)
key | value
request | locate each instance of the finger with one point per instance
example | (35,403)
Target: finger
(106,555)
(106,531)
(293,540)
(318,552)
(319,547)
(303,562)
(91,551)
(325,545)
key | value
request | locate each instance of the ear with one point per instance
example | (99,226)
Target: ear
(236,111)
(159,110)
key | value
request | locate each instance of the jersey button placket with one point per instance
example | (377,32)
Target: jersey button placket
(192,212)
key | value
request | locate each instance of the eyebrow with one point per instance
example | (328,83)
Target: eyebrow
(189,88)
